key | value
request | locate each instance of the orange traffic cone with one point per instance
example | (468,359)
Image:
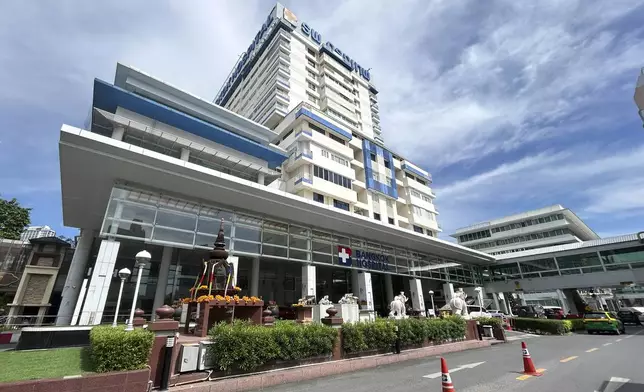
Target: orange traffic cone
(446,379)
(528,365)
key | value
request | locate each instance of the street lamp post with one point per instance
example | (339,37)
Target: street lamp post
(480,295)
(123,274)
(142,258)
(431,296)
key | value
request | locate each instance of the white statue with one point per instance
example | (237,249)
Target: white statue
(348,298)
(397,307)
(325,301)
(458,304)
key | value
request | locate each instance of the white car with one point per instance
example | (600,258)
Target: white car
(476,311)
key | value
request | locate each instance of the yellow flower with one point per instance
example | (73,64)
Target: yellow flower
(237,288)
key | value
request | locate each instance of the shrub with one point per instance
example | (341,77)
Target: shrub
(555,327)
(247,346)
(493,321)
(381,334)
(577,324)
(115,349)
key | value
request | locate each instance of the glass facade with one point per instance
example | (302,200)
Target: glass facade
(168,221)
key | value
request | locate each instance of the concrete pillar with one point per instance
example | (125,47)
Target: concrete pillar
(234,261)
(497,305)
(254,278)
(260,178)
(75,277)
(117,132)
(162,281)
(185,154)
(448,291)
(562,300)
(389,289)
(99,285)
(569,295)
(503,304)
(417,299)
(365,289)
(522,300)
(308,281)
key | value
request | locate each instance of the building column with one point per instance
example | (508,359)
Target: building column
(99,284)
(308,281)
(260,178)
(448,292)
(254,278)
(117,132)
(522,300)
(389,288)
(365,289)
(162,281)
(497,305)
(503,303)
(75,277)
(417,299)
(185,154)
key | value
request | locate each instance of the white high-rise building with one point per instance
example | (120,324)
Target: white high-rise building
(37,232)
(323,106)
(554,225)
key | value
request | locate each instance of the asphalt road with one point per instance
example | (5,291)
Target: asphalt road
(577,363)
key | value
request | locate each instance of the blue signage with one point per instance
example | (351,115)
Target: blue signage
(247,56)
(335,52)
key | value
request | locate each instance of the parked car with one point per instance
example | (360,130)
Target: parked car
(554,312)
(534,311)
(598,322)
(475,311)
(630,316)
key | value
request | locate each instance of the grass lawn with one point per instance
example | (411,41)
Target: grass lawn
(38,364)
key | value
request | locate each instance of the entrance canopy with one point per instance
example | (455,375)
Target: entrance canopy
(91,164)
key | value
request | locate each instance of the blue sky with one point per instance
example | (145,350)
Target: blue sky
(512,105)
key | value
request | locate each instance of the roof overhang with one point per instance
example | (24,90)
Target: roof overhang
(91,164)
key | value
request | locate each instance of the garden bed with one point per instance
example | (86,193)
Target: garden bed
(54,363)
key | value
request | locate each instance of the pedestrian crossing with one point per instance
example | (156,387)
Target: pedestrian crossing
(515,335)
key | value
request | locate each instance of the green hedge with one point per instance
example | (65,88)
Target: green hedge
(493,321)
(246,346)
(381,334)
(115,349)
(555,327)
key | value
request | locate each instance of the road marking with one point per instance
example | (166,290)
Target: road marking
(629,336)
(618,340)
(568,359)
(592,349)
(527,376)
(606,344)
(468,366)
(619,379)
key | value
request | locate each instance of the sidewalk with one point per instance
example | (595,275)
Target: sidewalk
(308,372)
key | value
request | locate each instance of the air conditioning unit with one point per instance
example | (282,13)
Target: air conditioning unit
(189,357)
(205,361)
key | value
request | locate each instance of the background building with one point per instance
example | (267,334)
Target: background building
(323,107)
(535,229)
(37,232)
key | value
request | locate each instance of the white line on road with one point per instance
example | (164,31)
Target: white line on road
(618,340)
(607,344)
(619,379)
(468,366)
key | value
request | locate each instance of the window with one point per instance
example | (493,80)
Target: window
(375,175)
(311,86)
(341,205)
(421,181)
(311,52)
(311,98)
(430,233)
(427,198)
(387,164)
(375,198)
(337,139)
(390,203)
(418,229)
(376,216)
(391,221)
(317,129)
(311,62)
(318,197)
(417,210)
(339,160)
(415,193)
(325,153)
(287,134)
(373,157)
(332,177)
(312,74)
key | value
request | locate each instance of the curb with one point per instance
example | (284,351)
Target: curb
(310,372)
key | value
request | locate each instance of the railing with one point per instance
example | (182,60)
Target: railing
(16,323)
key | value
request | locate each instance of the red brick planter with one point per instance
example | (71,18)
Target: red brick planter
(133,381)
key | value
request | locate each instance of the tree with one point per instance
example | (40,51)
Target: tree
(13,219)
